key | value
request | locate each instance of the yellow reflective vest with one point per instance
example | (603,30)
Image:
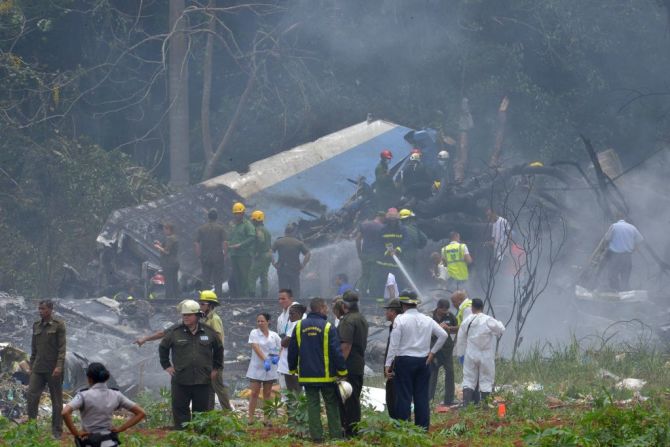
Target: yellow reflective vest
(453,255)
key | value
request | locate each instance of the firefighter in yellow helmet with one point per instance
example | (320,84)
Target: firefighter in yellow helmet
(262,255)
(240,246)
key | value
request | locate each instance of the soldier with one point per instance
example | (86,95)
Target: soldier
(169,261)
(288,264)
(193,355)
(240,248)
(209,248)
(262,255)
(208,302)
(47,358)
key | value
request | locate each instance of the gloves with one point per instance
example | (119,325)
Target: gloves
(461,360)
(267,364)
(275,358)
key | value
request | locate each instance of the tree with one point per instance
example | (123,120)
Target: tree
(179,94)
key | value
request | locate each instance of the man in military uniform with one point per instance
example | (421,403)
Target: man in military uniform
(193,356)
(262,254)
(240,248)
(169,251)
(288,263)
(208,303)
(47,358)
(209,248)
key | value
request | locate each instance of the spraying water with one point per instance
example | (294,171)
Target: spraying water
(406,273)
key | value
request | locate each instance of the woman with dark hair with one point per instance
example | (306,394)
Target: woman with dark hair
(262,371)
(97,404)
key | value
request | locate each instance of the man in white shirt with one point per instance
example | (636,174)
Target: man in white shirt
(622,238)
(410,354)
(391,288)
(499,233)
(285,329)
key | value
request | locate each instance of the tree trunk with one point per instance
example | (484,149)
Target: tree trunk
(207,147)
(178,94)
(465,123)
(500,133)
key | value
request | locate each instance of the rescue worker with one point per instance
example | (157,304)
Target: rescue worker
(240,247)
(208,302)
(262,254)
(287,381)
(192,355)
(353,333)
(622,239)
(209,247)
(169,254)
(463,306)
(456,256)
(314,354)
(370,247)
(393,309)
(394,239)
(416,239)
(443,358)
(415,180)
(47,360)
(288,264)
(476,349)
(386,193)
(97,405)
(500,230)
(409,357)
(342,283)
(443,164)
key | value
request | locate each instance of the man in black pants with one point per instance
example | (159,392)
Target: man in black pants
(353,332)
(393,309)
(443,357)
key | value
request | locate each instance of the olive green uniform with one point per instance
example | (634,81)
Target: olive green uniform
(214,321)
(261,261)
(193,357)
(210,237)
(353,329)
(47,353)
(244,234)
(170,266)
(386,193)
(288,264)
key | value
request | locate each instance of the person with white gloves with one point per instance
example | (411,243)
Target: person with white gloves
(476,350)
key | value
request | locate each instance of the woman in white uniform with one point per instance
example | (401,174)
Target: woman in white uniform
(262,371)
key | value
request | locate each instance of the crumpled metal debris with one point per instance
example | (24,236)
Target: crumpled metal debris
(631,384)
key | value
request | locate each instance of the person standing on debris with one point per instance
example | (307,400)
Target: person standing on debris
(463,304)
(394,239)
(97,405)
(262,371)
(369,246)
(314,354)
(456,256)
(285,329)
(262,255)
(192,354)
(443,357)
(353,333)
(416,239)
(169,252)
(499,234)
(622,239)
(393,309)
(208,302)
(47,360)
(409,357)
(240,244)
(416,182)
(288,264)
(386,193)
(209,247)
(476,350)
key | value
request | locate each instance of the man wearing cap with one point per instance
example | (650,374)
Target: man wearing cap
(394,239)
(192,355)
(416,239)
(370,247)
(443,357)
(242,236)
(393,309)
(208,302)
(262,254)
(288,264)
(353,332)
(209,247)
(409,357)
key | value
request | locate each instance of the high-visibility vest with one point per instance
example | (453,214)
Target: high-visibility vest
(461,309)
(454,257)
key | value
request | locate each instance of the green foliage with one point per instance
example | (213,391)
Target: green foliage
(158,411)
(296,410)
(29,434)
(213,428)
(379,429)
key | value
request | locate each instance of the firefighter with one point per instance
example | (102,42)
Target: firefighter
(415,179)
(416,239)
(314,354)
(240,246)
(386,193)
(209,247)
(262,254)
(394,238)
(456,257)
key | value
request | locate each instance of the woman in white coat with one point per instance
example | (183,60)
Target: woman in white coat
(262,371)
(476,349)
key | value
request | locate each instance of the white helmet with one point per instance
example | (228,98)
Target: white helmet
(443,155)
(345,390)
(190,307)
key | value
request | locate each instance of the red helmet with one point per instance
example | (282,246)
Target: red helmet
(158,279)
(415,150)
(386,154)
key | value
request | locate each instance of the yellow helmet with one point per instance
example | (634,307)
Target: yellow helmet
(405,213)
(437,184)
(258,216)
(208,296)
(536,164)
(238,208)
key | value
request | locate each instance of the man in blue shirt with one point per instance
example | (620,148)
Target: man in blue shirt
(622,238)
(342,283)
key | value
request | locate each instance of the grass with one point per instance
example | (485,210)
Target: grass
(578,404)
